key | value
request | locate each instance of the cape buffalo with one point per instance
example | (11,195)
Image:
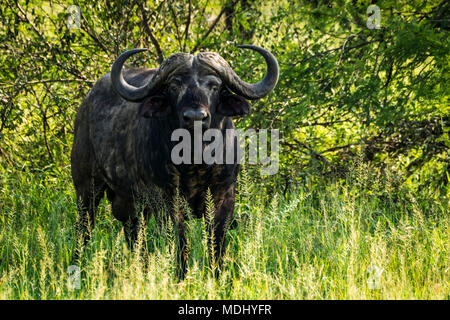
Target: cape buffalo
(122,143)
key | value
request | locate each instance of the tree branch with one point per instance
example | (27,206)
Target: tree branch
(150,34)
(213,25)
(9,85)
(188,22)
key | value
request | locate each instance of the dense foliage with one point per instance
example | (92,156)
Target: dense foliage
(345,90)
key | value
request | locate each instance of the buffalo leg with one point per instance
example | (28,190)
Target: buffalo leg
(182,250)
(124,210)
(88,198)
(222,219)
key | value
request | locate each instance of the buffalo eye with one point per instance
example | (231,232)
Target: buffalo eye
(175,83)
(213,86)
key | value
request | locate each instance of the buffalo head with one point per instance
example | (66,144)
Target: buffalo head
(192,88)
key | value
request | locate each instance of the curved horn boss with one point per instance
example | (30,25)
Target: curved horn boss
(250,91)
(247,90)
(132,93)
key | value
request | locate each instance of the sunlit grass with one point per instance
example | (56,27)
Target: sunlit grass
(324,243)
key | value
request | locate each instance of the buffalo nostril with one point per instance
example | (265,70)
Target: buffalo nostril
(193,115)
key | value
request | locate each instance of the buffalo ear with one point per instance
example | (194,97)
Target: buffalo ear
(233,105)
(154,106)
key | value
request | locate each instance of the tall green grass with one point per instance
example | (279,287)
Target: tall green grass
(333,242)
